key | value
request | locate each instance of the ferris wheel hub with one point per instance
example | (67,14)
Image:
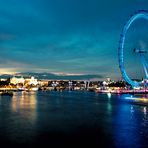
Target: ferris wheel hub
(136,50)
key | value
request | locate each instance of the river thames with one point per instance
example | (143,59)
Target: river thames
(72,119)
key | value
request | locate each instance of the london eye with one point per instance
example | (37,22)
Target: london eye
(137,15)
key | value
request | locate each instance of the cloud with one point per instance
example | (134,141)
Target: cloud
(142,45)
(62,76)
(4,36)
(76,36)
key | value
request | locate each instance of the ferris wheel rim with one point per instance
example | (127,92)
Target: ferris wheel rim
(137,15)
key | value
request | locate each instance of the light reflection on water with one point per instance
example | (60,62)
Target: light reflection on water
(136,98)
(100,117)
(22,100)
(133,118)
(21,116)
(25,103)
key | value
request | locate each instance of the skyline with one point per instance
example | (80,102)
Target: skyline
(74,37)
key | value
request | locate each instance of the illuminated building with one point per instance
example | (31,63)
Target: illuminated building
(31,81)
(16,80)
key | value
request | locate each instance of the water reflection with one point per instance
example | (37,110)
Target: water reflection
(109,95)
(132,121)
(145,111)
(25,103)
(24,100)
(22,117)
(132,111)
(29,116)
(137,99)
(126,127)
(109,103)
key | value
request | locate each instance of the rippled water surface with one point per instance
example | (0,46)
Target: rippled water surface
(73,119)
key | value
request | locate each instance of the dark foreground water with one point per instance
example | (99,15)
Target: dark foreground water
(72,119)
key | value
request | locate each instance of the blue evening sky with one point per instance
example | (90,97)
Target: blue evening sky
(68,36)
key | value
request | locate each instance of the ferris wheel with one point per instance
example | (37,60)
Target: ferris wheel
(137,15)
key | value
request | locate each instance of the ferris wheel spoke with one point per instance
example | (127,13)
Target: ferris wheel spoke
(145,65)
